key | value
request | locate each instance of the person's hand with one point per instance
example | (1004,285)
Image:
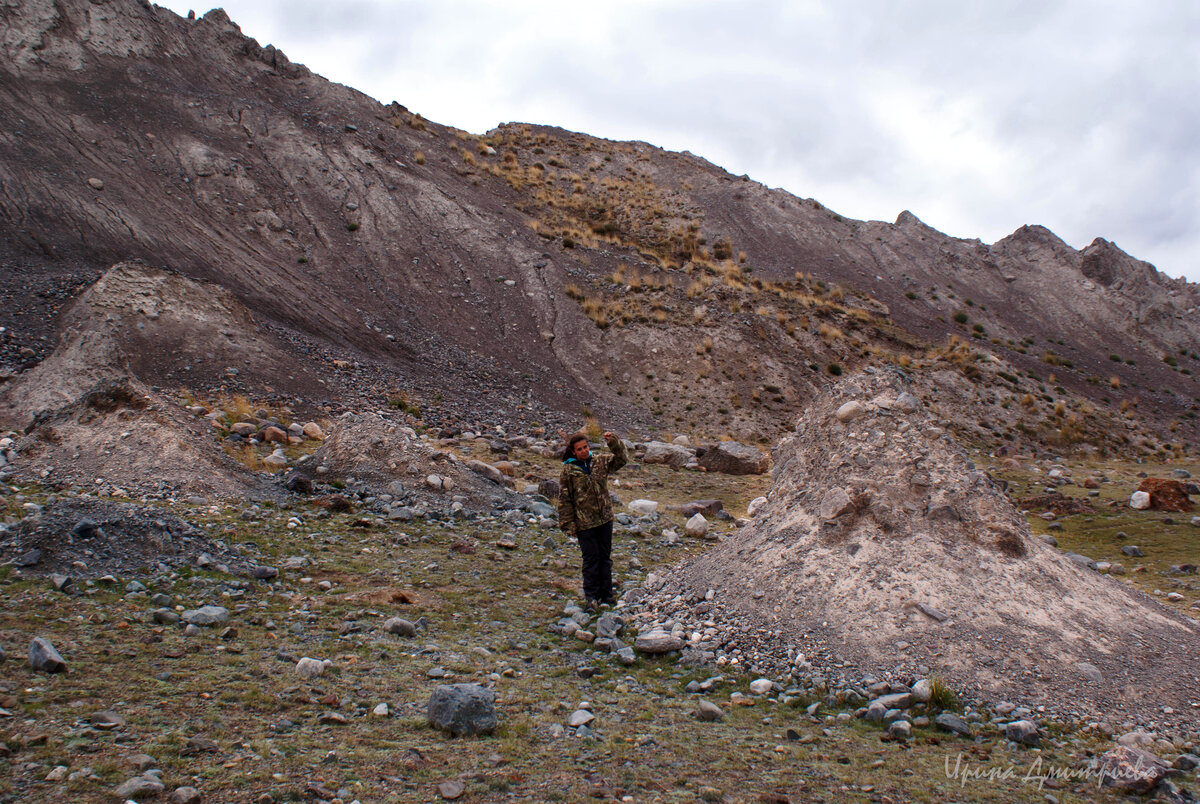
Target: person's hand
(608,436)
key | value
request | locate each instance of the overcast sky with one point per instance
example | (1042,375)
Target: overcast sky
(979,117)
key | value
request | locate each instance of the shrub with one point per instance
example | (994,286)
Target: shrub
(910,295)
(352,227)
(960,317)
(834,369)
(940,694)
(419,157)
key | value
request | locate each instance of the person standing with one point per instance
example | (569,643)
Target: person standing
(585,510)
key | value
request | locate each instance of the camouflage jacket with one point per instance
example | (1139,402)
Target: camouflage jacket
(583,500)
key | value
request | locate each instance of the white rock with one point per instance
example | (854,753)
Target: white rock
(308,668)
(696,526)
(922,690)
(761,686)
(849,411)
(434,482)
(755,504)
(643,506)
(1139,500)
(276,459)
(681,441)
(381,710)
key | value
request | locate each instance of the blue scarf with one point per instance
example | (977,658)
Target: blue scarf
(586,466)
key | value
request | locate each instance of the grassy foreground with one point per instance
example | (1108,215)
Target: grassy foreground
(225,712)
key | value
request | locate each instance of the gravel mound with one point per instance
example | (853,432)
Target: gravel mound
(882,549)
(108,538)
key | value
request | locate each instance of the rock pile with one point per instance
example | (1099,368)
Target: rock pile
(881,549)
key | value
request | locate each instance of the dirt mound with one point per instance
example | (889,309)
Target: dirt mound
(107,537)
(882,548)
(1166,495)
(121,438)
(153,325)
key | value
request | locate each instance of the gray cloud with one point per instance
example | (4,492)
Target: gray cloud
(979,117)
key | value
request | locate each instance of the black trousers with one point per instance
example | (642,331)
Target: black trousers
(596,546)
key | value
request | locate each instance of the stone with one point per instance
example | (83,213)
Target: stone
(60,582)
(185,795)
(950,722)
(1082,560)
(1166,494)
(1090,672)
(451,789)
(906,403)
(898,700)
(626,656)
(1186,762)
(922,690)
(849,411)
(608,626)
(732,458)
(580,717)
(1130,769)
(85,529)
(400,627)
(298,483)
(761,686)
(900,730)
(835,503)
(434,482)
(262,572)
(30,558)
(139,787)
(309,668)
(1132,550)
(669,454)
(313,430)
(142,762)
(1023,732)
(486,470)
(755,506)
(106,719)
(463,709)
(697,526)
(1139,500)
(643,506)
(43,656)
(206,616)
(164,616)
(272,435)
(708,712)
(276,460)
(96,184)
(658,642)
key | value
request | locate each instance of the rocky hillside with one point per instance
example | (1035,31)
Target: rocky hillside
(530,273)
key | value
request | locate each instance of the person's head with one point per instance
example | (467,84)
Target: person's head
(577,448)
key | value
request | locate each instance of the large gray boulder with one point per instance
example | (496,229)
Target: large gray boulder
(463,709)
(732,458)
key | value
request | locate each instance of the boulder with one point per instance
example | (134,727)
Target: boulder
(658,642)
(669,454)
(1166,495)
(754,506)
(697,526)
(1131,769)
(313,430)
(1139,500)
(1022,731)
(732,458)
(43,656)
(206,615)
(486,470)
(849,412)
(462,709)
(643,506)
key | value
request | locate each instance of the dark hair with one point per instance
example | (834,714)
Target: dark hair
(569,451)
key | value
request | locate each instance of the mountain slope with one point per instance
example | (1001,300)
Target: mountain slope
(528,267)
